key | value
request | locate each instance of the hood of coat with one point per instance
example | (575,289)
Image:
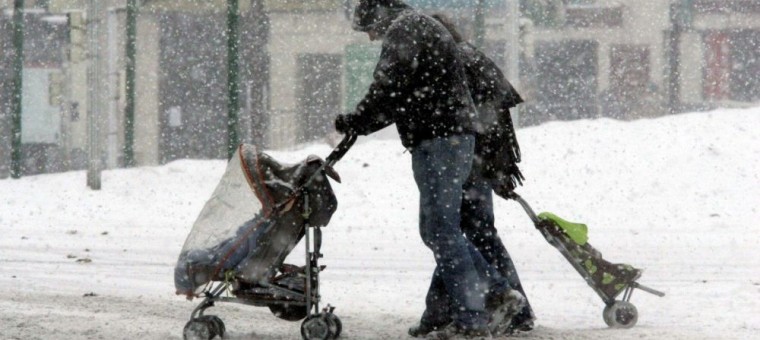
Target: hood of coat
(377,15)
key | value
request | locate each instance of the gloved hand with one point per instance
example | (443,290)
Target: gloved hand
(505,183)
(342,125)
(503,189)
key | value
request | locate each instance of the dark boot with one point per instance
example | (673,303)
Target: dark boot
(503,306)
(523,321)
(452,331)
(422,329)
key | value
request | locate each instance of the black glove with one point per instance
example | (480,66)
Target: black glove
(505,182)
(342,125)
(503,189)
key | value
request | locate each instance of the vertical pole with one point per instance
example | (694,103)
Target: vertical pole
(112,89)
(18,76)
(94,97)
(307,245)
(513,49)
(232,76)
(681,17)
(254,72)
(129,108)
(480,23)
(674,40)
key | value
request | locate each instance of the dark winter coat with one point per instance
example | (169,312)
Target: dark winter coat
(496,144)
(419,84)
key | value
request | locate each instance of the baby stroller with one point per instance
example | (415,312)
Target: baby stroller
(607,279)
(257,214)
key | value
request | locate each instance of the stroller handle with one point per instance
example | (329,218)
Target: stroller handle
(513,195)
(333,157)
(340,150)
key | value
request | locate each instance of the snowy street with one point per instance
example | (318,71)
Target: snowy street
(678,196)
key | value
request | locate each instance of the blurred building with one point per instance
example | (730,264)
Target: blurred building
(301,64)
(643,58)
(44,47)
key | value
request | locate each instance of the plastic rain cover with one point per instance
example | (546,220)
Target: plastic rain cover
(227,227)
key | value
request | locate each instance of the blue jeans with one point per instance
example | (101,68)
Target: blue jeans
(478,226)
(462,277)
(477,223)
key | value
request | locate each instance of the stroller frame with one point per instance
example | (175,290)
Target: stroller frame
(617,313)
(318,324)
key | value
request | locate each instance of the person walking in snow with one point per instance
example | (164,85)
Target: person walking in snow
(420,85)
(494,166)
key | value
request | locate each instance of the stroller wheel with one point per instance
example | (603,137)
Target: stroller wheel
(197,329)
(288,312)
(217,322)
(317,327)
(621,314)
(204,328)
(335,325)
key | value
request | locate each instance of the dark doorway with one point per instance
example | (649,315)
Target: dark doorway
(631,93)
(193,92)
(717,66)
(745,66)
(566,78)
(319,96)
(629,69)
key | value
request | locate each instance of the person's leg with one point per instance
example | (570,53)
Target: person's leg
(477,222)
(440,167)
(478,225)
(438,310)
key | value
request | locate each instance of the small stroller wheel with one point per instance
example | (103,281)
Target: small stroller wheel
(216,322)
(288,312)
(336,326)
(621,314)
(317,327)
(202,328)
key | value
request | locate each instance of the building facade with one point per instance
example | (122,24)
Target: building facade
(633,59)
(301,64)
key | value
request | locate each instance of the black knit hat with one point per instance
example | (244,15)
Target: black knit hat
(369,13)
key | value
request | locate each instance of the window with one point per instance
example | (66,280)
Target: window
(543,13)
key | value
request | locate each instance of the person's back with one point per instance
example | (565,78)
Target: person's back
(419,84)
(489,89)
(433,101)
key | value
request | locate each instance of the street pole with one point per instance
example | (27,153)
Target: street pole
(513,30)
(480,23)
(112,151)
(129,109)
(232,77)
(94,98)
(680,17)
(18,76)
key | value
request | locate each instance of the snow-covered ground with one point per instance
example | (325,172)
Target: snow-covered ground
(678,196)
